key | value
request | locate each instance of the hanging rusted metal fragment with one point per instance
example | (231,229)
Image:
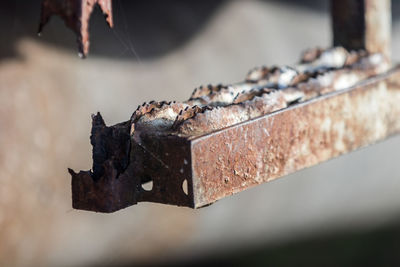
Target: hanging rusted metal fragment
(76,15)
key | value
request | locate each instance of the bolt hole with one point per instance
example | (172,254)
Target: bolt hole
(185,187)
(148,186)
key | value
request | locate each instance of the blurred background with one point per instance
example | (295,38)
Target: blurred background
(342,212)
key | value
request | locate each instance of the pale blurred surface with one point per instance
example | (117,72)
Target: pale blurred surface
(47,95)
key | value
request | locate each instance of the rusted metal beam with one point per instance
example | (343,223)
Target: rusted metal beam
(362,24)
(233,159)
(229,143)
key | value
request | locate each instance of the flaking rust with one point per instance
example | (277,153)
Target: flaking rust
(76,15)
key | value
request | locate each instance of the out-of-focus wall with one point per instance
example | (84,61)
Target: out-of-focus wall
(47,95)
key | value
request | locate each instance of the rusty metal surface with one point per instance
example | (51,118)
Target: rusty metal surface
(233,159)
(76,15)
(151,145)
(242,156)
(362,24)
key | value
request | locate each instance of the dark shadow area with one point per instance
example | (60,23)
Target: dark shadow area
(374,247)
(378,247)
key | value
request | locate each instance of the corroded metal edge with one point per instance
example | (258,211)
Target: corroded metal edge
(110,186)
(242,156)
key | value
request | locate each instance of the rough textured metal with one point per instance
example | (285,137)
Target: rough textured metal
(275,145)
(362,24)
(76,15)
(162,160)
(247,154)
